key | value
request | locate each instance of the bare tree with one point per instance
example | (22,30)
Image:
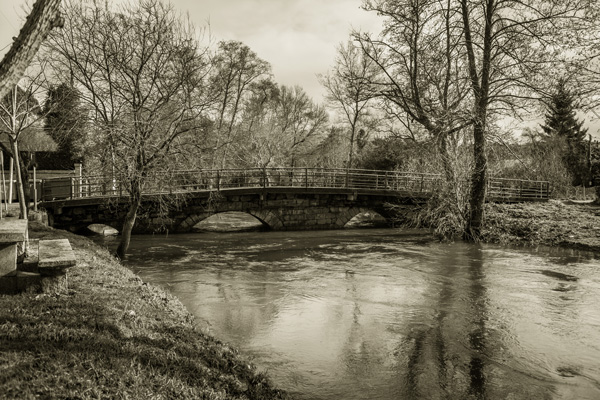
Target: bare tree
(142,72)
(279,125)
(299,122)
(349,89)
(21,114)
(236,68)
(457,63)
(421,65)
(260,145)
(511,48)
(423,85)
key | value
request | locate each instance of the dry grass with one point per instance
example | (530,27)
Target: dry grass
(554,223)
(112,336)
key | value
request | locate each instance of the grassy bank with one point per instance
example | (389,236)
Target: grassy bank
(555,223)
(112,336)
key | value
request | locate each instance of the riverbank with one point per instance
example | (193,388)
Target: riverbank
(110,335)
(555,223)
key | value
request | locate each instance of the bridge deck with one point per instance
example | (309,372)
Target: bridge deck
(296,180)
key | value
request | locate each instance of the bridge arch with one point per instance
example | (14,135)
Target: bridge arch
(352,212)
(369,211)
(265,218)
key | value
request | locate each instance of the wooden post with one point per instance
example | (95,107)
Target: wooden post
(306,177)
(347,178)
(35,193)
(10,179)
(79,179)
(520,189)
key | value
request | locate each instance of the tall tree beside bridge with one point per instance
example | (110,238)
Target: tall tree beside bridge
(423,85)
(142,72)
(460,62)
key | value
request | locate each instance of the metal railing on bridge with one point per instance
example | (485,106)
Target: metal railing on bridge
(173,182)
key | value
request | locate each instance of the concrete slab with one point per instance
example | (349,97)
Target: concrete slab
(13,230)
(55,255)
(8,258)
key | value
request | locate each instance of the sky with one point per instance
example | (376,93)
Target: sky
(297,37)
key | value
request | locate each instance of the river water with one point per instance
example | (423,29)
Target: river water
(390,314)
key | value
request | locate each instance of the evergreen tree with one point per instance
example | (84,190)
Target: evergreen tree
(561,122)
(65,122)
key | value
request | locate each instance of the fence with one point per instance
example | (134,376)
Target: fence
(172,182)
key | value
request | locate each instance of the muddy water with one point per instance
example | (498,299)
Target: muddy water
(385,314)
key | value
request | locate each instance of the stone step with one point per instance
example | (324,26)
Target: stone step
(13,234)
(54,256)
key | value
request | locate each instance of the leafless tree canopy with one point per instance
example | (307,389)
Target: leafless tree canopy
(141,70)
(457,63)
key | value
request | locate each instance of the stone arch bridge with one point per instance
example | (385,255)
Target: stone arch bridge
(281,198)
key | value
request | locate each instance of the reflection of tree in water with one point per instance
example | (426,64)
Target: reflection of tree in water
(477,334)
(437,366)
(358,356)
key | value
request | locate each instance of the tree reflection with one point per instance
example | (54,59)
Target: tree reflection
(477,335)
(436,353)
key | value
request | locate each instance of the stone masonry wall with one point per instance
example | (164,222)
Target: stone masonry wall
(279,211)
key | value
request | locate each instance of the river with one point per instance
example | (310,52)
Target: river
(390,314)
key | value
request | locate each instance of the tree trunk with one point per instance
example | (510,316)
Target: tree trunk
(25,181)
(351,152)
(44,16)
(10,180)
(478,183)
(128,225)
(448,167)
(22,200)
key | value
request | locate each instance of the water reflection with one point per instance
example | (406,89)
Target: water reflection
(477,334)
(388,315)
(460,310)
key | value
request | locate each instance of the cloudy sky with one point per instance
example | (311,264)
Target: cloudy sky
(298,37)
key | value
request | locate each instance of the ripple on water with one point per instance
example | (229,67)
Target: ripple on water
(379,314)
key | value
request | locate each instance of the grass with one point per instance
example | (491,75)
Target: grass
(554,223)
(112,336)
